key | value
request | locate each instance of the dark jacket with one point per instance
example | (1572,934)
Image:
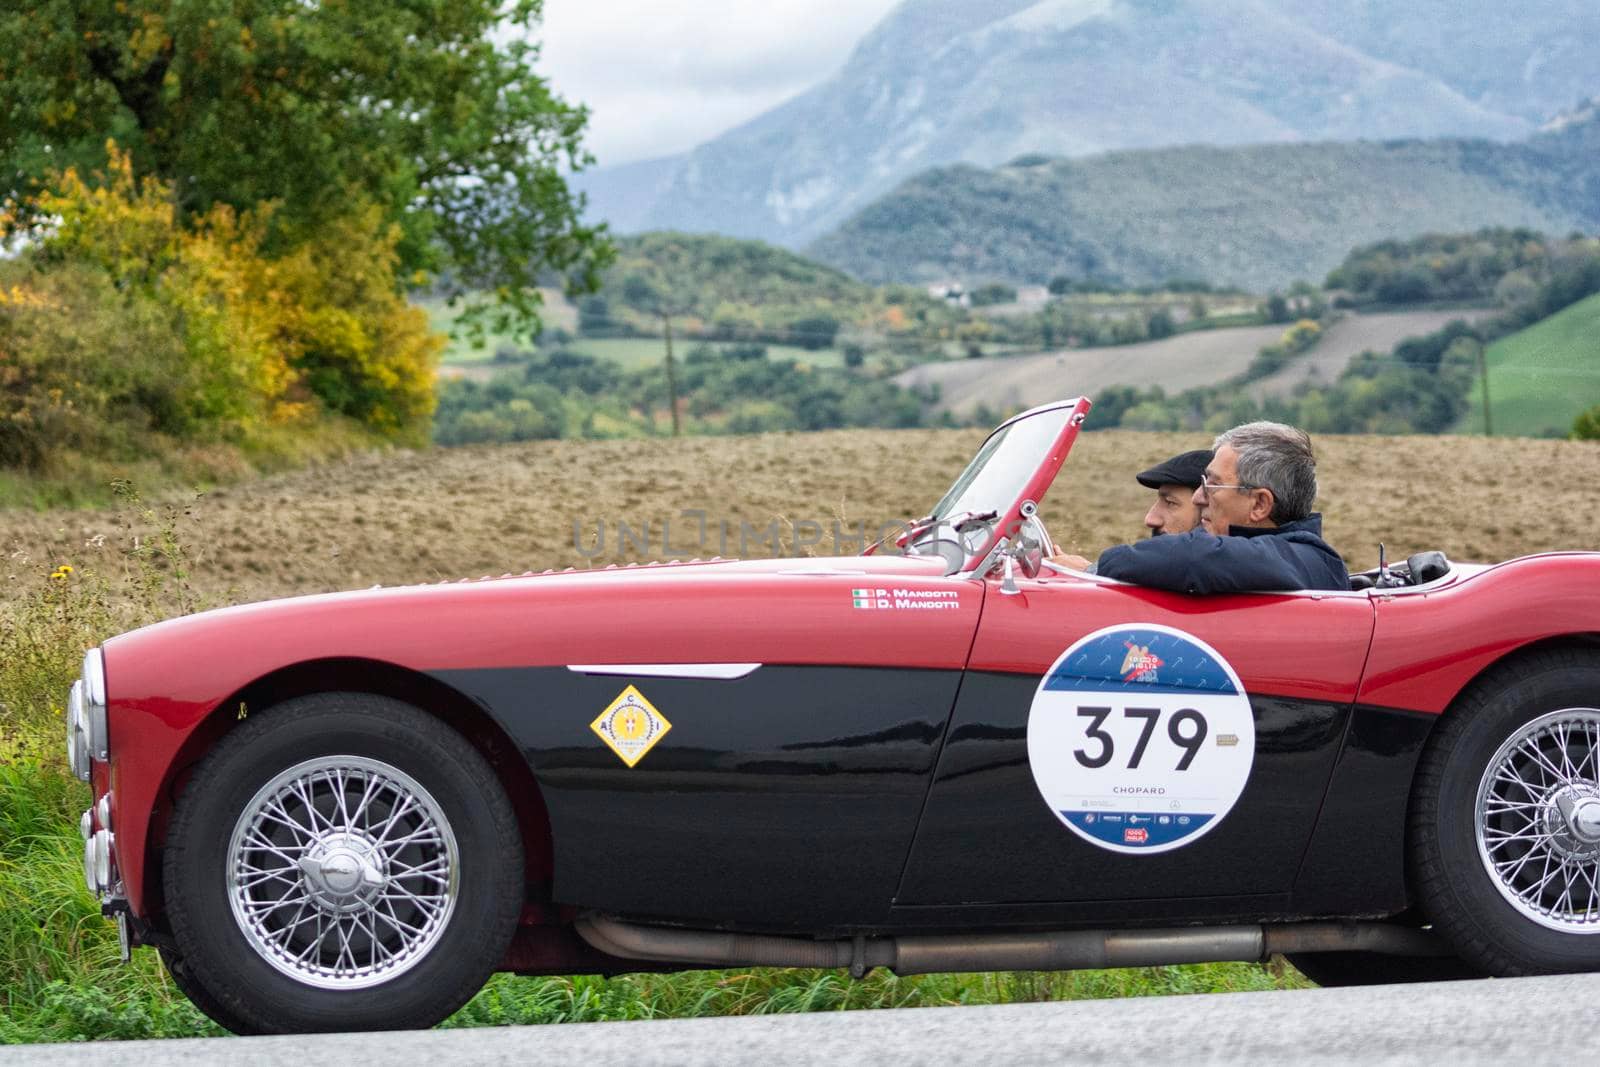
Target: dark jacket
(1250,559)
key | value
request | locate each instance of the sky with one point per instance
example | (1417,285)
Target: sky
(661,76)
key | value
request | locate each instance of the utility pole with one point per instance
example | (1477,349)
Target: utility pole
(672,374)
(1483,376)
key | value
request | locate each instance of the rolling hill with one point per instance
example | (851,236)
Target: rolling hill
(1177,363)
(940,82)
(1542,377)
(1255,216)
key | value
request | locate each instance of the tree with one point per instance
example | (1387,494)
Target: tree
(815,332)
(1586,427)
(427,109)
(659,292)
(993,293)
(1160,324)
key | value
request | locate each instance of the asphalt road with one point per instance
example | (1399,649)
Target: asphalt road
(1522,1021)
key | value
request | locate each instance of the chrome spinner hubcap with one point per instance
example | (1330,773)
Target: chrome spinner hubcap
(1538,820)
(342,872)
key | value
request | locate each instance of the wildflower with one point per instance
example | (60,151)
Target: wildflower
(61,573)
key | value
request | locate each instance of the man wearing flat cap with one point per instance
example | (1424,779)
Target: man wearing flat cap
(1257,531)
(1174,510)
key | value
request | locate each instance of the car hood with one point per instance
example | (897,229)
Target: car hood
(783,610)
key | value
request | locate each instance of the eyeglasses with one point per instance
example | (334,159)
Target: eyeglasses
(1210,487)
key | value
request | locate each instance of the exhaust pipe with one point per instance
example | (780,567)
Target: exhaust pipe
(1055,951)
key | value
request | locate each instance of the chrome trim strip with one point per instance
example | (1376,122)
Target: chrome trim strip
(718,671)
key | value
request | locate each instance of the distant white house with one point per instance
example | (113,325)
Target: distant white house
(1032,296)
(951,292)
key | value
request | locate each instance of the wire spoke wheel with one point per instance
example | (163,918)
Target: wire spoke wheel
(1538,820)
(342,872)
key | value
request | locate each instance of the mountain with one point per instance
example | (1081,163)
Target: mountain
(939,82)
(1257,216)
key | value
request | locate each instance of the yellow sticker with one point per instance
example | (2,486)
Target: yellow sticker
(630,726)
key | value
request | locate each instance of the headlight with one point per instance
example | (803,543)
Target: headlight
(87,734)
(98,870)
(102,862)
(94,703)
(77,733)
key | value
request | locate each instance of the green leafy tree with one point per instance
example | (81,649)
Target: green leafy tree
(993,293)
(814,332)
(1586,427)
(429,109)
(1161,324)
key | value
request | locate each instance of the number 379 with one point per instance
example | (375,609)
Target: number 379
(1185,728)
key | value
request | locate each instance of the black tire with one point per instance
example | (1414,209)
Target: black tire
(1331,969)
(178,971)
(240,958)
(1453,883)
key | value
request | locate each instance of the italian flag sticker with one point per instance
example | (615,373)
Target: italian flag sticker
(862,598)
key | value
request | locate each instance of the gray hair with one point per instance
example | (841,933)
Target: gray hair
(1276,457)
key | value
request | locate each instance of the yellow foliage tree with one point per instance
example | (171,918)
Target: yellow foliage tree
(267,336)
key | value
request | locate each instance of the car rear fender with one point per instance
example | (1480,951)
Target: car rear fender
(1428,646)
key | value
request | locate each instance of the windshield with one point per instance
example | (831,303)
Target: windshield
(1003,466)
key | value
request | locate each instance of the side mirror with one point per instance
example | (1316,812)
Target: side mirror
(1023,554)
(1030,556)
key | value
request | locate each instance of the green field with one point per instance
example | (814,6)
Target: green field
(634,352)
(1542,377)
(630,352)
(557,313)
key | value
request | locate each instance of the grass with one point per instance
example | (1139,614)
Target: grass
(60,971)
(1542,377)
(61,978)
(556,313)
(632,352)
(72,479)
(629,352)
(512,1001)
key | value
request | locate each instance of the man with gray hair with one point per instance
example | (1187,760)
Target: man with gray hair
(1257,533)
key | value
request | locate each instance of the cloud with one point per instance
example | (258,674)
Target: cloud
(661,76)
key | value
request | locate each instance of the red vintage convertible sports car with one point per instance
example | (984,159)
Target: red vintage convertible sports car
(346,811)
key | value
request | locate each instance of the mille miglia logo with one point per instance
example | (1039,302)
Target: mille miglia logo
(1140,664)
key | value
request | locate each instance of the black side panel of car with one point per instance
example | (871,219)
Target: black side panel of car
(1356,862)
(988,838)
(786,798)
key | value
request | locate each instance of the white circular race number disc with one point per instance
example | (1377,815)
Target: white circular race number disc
(1140,738)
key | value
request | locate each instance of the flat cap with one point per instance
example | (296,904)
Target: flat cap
(1184,469)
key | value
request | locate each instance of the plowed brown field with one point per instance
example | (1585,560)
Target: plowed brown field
(410,517)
